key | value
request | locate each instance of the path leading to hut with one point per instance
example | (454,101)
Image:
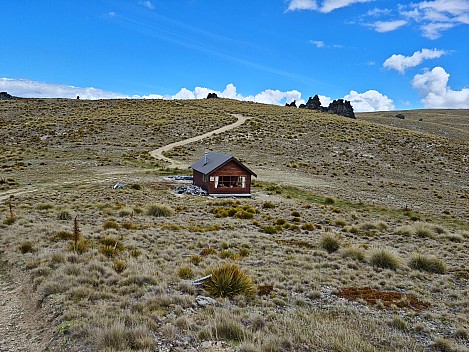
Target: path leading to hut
(158,153)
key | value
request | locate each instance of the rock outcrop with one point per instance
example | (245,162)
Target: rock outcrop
(339,107)
(6,96)
(212,96)
(292,104)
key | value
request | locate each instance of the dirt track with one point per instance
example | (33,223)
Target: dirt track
(158,153)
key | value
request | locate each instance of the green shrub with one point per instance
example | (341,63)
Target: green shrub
(329,201)
(427,263)
(226,253)
(196,259)
(80,246)
(159,210)
(109,251)
(385,259)
(44,206)
(330,243)
(112,242)
(244,252)
(228,280)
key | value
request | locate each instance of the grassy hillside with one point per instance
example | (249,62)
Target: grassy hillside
(357,238)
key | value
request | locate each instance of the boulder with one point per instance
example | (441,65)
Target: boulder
(400,116)
(292,104)
(212,96)
(341,107)
(314,103)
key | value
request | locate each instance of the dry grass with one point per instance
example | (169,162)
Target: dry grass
(123,284)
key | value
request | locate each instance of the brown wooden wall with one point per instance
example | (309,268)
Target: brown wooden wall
(232,168)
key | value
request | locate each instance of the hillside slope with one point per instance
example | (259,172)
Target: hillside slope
(357,237)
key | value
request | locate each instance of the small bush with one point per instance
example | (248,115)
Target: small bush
(228,280)
(26,247)
(109,251)
(136,186)
(329,201)
(330,243)
(244,252)
(159,210)
(429,264)
(226,253)
(80,246)
(112,242)
(307,226)
(385,259)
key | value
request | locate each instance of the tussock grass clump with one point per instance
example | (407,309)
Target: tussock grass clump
(44,206)
(26,247)
(185,272)
(330,243)
(208,251)
(385,259)
(354,253)
(110,224)
(80,246)
(427,263)
(64,215)
(228,280)
(307,226)
(160,210)
(268,205)
(119,265)
(270,230)
(329,200)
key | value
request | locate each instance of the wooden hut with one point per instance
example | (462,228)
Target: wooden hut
(222,175)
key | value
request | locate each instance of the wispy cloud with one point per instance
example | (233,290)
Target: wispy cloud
(436,16)
(32,89)
(148,4)
(325,6)
(294,5)
(401,63)
(433,87)
(387,26)
(321,44)
(331,5)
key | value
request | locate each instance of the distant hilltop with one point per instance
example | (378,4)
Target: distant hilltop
(6,96)
(339,107)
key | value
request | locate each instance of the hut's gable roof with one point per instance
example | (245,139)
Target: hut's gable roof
(213,161)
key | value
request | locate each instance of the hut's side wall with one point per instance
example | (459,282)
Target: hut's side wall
(198,180)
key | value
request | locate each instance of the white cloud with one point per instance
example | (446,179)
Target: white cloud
(331,5)
(325,7)
(433,87)
(302,5)
(148,4)
(32,89)
(318,43)
(370,100)
(437,16)
(387,26)
(401,63)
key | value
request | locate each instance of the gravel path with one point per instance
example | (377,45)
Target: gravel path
(21,322)
(158,153)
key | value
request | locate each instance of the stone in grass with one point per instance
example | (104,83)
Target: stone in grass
(205,301)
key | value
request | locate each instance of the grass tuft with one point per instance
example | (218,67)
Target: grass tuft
(160,210)
(427,263)
(228,280)
(384,259)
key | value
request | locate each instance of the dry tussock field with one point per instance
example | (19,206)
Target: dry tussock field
(356,239)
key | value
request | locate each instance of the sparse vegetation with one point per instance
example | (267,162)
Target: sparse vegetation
(116,277)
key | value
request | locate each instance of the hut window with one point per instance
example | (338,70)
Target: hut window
(230,181)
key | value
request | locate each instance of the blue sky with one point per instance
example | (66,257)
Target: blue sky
(379,54)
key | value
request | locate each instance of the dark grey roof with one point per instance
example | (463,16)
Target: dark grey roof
(213,161)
